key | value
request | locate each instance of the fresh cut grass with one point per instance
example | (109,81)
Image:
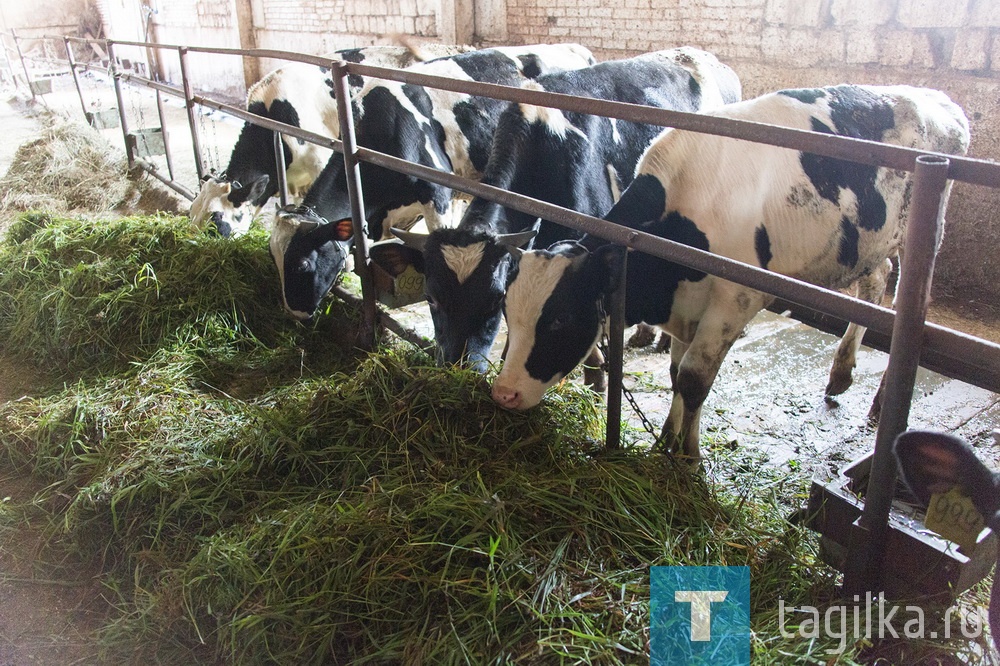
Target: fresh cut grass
(256,492)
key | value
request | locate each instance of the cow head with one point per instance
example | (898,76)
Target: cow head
(934,463)
(465,276)
(310,254)
(228,205)
(555,316)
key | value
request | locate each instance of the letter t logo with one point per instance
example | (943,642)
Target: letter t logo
(701,610)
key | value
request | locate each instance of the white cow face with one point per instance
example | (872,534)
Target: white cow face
(214,205)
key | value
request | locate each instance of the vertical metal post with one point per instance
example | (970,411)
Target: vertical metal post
(6,59)
(116,77)
(865,559)
(76,78)
(366,331)
(192,121)
(279,162)
(616,350)
(166,137)
(24,65)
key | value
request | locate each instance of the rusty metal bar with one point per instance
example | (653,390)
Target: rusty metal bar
(189,105)
(116,78)
(965,169)
(76,78)
(616,364)
(352,170)
(863,569)
(279,162)
(24,65)
(951,349)
(856,150)
(407,334)
(273,125)
(153,171)
(135,79)
(166,137)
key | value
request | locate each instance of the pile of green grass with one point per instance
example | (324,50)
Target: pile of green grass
(254,492)
(82,296)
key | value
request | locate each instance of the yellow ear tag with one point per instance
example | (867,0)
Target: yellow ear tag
(409,285)
(955,517)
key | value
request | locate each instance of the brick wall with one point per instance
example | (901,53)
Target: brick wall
(951,45)
(795,33)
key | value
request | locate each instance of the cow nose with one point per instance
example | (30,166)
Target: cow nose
(223,227)
(506,397)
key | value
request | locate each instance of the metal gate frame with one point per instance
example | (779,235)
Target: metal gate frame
(954,354)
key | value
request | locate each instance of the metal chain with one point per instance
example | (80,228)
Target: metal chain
(646,423)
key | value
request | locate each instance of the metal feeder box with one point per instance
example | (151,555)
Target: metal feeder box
(104,119)
(918,562)
(40,86)
(148,142)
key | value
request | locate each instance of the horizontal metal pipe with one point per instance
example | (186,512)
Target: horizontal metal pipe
(273,125)
(252,53)
(176,91)
(950,349)
(407,334)
(948,352)
(967,169)
(153,170)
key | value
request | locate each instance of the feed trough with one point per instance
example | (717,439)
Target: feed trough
(918,562)
(148,142)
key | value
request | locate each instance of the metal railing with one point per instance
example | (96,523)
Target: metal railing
(910,338)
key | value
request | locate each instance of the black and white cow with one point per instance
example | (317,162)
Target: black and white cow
(578,161)
(822,220)
(441,129)
(300,95)
(934,463)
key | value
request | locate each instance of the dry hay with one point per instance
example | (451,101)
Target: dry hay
(71,168)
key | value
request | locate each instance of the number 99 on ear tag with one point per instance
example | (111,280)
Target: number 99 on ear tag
(955,517)
(409,285)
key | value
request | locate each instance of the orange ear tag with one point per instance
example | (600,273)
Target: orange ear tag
(955,517)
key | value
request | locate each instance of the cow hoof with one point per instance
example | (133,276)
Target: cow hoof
(839,382)
(596,379)
(643,336)
(663,344)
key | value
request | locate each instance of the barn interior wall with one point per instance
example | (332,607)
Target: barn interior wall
(952,45)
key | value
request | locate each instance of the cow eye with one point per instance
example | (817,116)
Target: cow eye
(559,322)
(304,266)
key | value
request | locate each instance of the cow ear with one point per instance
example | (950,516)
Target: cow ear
(518,240)
(933,463)
(604,265)
(258,188)
(394,257)
(415,241)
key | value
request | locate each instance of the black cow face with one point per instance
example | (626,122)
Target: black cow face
(465,278)
(310,253)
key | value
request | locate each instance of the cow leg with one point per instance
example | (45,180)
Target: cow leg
(731,308)
(593,371)
(870,288)
(671,435)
